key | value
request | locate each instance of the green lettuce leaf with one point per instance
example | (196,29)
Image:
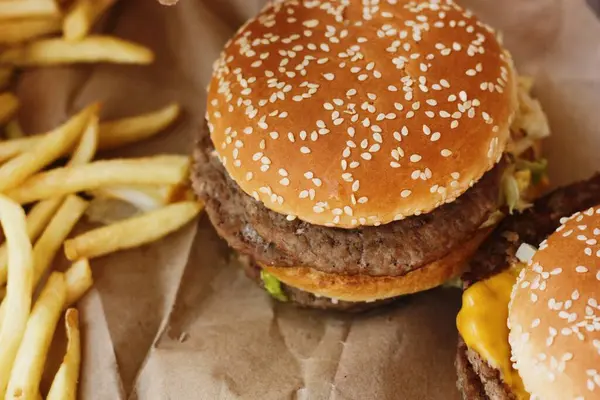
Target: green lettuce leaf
(538,168)
(273,286)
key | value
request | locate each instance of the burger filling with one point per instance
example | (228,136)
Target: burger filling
(525,179)
(530,124)
(273,286)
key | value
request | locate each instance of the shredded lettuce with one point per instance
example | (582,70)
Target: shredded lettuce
(518,179)
(514,183)
(273,286)
(538,169)
(453,283)
(493,219)
(530,118)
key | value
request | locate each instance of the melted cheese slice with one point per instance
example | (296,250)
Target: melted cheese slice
(482,322)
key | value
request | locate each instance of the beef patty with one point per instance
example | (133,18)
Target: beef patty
(393,249)
(477,380)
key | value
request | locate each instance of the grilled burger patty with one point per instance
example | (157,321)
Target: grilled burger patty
(477,380)
(393,249)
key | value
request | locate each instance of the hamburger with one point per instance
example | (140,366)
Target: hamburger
(354,153)
(530,321)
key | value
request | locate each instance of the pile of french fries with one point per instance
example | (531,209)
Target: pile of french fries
(48,181)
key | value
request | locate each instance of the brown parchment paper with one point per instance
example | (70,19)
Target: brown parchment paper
(178,320)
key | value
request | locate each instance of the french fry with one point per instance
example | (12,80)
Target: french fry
(64,386)
(145,198)
(29,365)
(37,219)
(79,281)
(15,147)
(10,9)
(82,16)
(13,130)
(134,129)
(112,133)
(9,104)
(53,145)
(6,74)
(92,49)
(22,30)
(45,249)
(86,149)
(132,232)
(142,171)
(42,212)
(18,299)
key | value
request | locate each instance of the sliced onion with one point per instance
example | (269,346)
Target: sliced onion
(525,252)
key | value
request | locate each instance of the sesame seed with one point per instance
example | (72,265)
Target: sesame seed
(405,193)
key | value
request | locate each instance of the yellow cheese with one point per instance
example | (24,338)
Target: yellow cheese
(482,324)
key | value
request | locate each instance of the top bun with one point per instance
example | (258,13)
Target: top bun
(554,314)
(349,115)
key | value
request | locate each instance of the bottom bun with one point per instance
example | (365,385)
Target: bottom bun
(362,288)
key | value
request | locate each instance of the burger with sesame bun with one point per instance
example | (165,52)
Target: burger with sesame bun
(356,152)
(530,321)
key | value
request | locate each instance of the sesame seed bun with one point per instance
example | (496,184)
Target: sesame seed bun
(357,115)
(554,313)
(359,288)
